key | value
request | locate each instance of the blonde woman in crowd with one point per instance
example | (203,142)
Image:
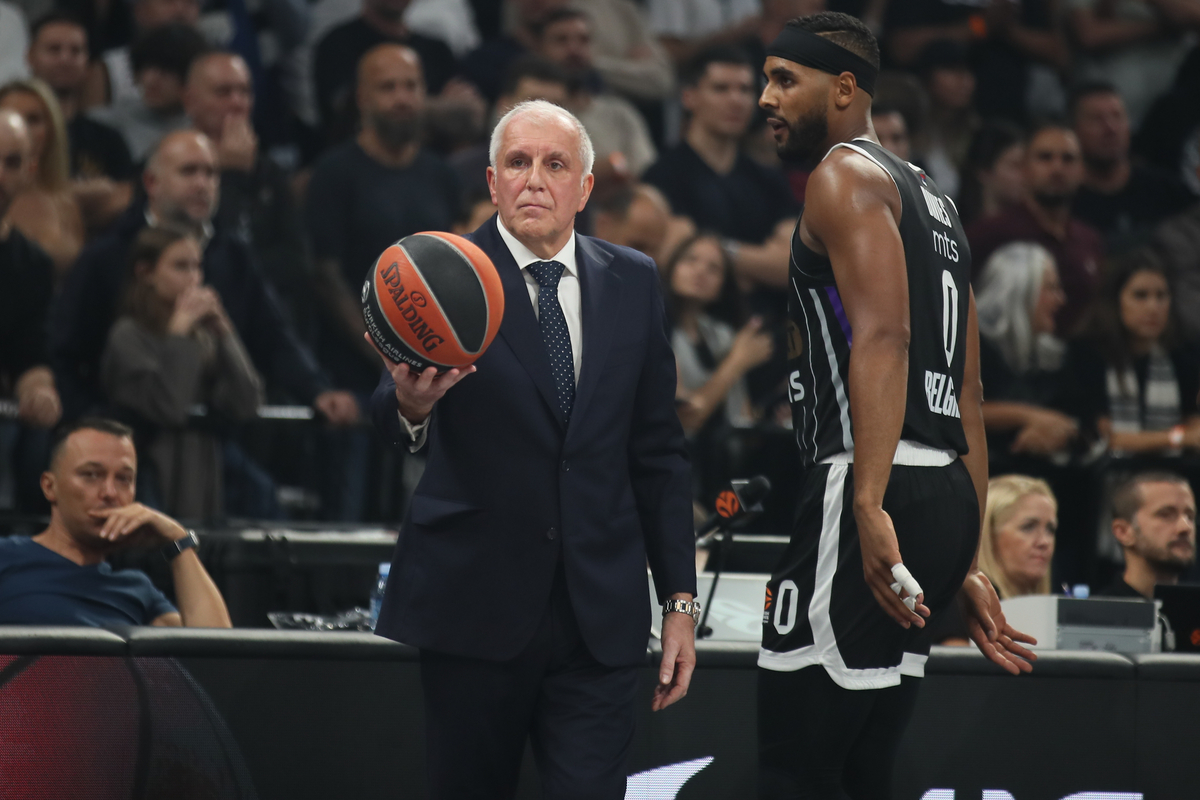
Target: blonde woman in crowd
(1015,549)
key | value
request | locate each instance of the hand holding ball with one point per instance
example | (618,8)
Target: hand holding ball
(433,300)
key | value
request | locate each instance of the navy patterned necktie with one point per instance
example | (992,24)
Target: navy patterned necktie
(554,331)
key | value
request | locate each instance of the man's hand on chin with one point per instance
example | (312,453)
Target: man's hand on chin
(678,660)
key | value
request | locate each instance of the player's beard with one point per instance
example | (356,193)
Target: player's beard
(806,137)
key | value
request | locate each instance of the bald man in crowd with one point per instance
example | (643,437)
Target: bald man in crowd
(182,183)
(366,193)
(256,195)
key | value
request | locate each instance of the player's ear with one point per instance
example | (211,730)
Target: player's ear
(48,489)
(845,89)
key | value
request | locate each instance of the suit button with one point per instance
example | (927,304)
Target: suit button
(550,534)
(566,467)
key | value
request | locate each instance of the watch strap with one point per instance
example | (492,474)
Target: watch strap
(689,607)
(171,550)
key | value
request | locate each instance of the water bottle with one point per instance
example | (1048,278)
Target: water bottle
(377,592)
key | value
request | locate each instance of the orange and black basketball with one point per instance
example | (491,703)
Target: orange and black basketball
(433,299)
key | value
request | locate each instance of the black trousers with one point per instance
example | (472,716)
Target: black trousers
(577,713)
(818,741)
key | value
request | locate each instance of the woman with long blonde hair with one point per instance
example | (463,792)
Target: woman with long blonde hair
(1017,538)
(54,211)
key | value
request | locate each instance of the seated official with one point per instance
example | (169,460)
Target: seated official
(1016,546)
(59,576)
(1154,521)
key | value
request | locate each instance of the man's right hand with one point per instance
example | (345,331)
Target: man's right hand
(417,392)
(988,628)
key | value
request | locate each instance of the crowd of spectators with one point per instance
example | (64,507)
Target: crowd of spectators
(192,190)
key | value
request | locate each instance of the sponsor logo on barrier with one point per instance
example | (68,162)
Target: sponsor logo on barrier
(1001,794)
(663,783)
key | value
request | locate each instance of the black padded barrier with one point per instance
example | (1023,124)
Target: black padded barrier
(297,715)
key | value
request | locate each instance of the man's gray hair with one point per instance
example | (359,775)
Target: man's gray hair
(544,111)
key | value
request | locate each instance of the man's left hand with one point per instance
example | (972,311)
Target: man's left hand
(678,660)
(136,524)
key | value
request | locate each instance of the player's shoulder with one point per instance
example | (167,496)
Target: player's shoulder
(846,178)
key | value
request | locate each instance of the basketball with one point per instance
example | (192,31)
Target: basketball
(433,299)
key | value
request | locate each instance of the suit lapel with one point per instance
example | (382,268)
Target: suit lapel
(520,326)
(600,289)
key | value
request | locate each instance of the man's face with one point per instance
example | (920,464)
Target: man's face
(1165,526)
(160,90)
(15,164)
(59,56)
(893,133)
(182,181)
(722,101)
(951,87)
(218,89)
(529,88)
(645,229)
(1103,127)
(538,183)
(1053,167)
(796,101)
(93,471)
(150,14)
(568,43)
(391,95)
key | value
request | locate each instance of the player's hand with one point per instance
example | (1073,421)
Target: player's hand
(418,392)
(678,660)
(136,524)
(338,407)
(988,628)
(881,552)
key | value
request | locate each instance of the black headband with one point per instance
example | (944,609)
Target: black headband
(809,49)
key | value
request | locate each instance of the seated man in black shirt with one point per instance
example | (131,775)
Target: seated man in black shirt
(1154,520)
(59,576)
(708,178)
(58,54)
(26,286)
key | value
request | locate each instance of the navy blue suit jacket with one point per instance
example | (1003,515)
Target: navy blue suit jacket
(509,490)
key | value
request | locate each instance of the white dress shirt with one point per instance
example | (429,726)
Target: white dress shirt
(570,299)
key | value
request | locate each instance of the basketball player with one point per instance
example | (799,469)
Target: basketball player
(884,385)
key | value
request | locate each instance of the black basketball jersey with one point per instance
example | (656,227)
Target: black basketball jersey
(820,338)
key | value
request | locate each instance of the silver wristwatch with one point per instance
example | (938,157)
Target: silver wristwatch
(689,607)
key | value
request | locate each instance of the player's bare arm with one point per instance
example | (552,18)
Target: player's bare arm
(986,624)
(851,214)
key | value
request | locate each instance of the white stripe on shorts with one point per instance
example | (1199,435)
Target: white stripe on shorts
(824,650)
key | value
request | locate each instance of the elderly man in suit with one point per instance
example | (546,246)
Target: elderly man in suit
(557,468)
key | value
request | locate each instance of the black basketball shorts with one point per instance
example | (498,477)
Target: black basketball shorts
(819,609)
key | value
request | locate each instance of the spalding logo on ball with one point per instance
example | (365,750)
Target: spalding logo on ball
(433,299)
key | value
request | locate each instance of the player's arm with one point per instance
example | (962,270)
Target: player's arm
(851,212)
(986,625)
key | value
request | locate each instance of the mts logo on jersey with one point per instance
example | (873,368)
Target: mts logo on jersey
(937,209)
(939,390)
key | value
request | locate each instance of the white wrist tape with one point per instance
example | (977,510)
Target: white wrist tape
(905,581)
